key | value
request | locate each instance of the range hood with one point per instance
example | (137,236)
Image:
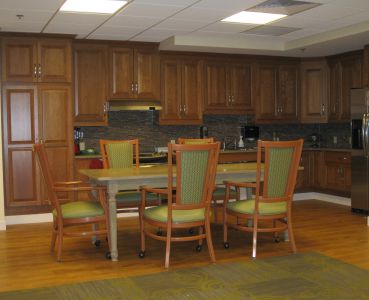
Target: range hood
(118,105)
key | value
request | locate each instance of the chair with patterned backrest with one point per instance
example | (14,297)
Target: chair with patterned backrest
(72,213)
(124,154)
(220,190)
(274,188)
(194,181)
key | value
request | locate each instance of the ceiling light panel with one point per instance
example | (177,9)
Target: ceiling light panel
(93,6)
(248,17)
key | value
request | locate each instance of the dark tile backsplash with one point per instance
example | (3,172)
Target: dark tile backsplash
(144,126)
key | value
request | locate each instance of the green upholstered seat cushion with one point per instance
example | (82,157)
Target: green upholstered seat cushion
(133,196)
(160,213)
(220,192)
(247,207)
(80,209)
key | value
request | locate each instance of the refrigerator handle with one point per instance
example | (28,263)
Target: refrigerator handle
(364,133)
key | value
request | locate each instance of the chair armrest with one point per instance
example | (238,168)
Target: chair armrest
(78,188)
(69,183)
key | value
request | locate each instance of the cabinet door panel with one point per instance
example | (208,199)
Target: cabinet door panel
(287,92)
(54,59)
(335,91)
(171,90)
(90,62)
(55,127)
(19,60)
(216,96)
(20,177)
(20,111)
(122,82)
(192,93)
(267,92)
(240,75)
(147,74)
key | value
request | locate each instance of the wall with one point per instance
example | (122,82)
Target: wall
(144,125)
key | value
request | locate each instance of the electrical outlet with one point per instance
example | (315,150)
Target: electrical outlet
(334,140)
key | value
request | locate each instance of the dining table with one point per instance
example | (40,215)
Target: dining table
(116,179)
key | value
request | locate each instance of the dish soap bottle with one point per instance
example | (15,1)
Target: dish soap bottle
(240,142)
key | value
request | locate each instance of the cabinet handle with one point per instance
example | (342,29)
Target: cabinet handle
(180,108)
(39,70)
(232,99)
(323,110)
(136,87)
(184,108)
(132,87)
(35,70)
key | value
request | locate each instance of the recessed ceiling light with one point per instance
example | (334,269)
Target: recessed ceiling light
(249,17)
(93,6)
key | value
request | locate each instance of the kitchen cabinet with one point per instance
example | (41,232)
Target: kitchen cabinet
(365,69)
(134,73)
(181,91)
(276,92)
(228,87)
(36,60)
(345,73)
(314,91)
(338,170)
(29,116)
(90,84)
(305,176)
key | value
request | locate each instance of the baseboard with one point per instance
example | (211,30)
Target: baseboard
(40,218)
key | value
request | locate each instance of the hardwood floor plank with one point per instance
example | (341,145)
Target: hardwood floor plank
(25,260)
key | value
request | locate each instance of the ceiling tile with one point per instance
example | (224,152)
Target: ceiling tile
(156,35)
(74,18)
(124,31)
(22,27)
(270,30)
(298,21)
(228,27)
(187,25)
(302,33)
(150,10)
(49,5)
(362,4)
(132,21)
(168,2)
(69,28)
(7,15)
(238,5)
(112,37)
(203,14)
(329,12)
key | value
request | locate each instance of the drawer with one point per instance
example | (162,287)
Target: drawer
(337,157)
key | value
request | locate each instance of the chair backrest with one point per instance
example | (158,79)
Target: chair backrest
(195,173)
(41,155)
(195,141)
(281,162)
(119,153)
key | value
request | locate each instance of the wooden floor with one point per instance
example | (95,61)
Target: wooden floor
(25,260)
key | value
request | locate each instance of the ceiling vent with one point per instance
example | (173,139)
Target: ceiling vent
(286,7)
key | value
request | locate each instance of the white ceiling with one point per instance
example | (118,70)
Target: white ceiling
(335,26)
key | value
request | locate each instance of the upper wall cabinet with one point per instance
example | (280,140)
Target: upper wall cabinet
(134,73)
(181,90)
(90,84)
(36,60)
(228,87)
(314,92)
(345,73)
(276,92)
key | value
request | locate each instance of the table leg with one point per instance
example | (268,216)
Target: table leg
(113,222)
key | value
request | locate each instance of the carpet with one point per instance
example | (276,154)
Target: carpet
(299,276)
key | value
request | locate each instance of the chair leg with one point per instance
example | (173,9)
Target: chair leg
(167,248)
(254,237)
(290,234)
(209,241)
(53,236)
(215,210)
(60,243)
(200,233)
(142,231)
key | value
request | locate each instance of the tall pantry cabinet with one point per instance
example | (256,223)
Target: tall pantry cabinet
(36,108)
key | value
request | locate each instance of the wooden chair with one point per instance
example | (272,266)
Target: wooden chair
(220,190)
(273,193)
(195,178)
(72,213)
(124,154)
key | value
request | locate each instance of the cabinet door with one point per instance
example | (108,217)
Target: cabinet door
(122,85)
(287,93)
(266,85)
(240,87)
(54,60)
(335,90)
(305,176)
(147,74)
(171,93)
(351,78)
(90,63)
(314,92)
(19,133)
(19,56)
(216,95)
(192,92)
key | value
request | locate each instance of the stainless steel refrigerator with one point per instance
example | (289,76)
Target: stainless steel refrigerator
(360,150)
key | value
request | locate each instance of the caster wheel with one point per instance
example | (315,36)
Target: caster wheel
(226,245)
(277,239)
(198,248)
(141,254)
(191,231)
(97,243)
(108,255)
(159,232)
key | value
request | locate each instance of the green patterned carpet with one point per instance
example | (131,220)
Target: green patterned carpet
(299,276)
